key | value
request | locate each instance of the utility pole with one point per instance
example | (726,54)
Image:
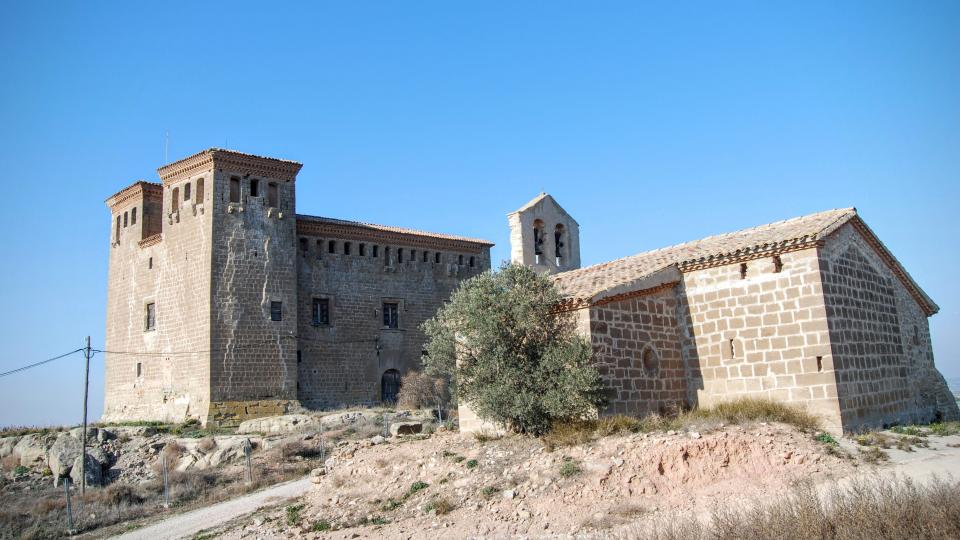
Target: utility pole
(86,391)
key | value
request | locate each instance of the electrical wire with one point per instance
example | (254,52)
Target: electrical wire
(24,368)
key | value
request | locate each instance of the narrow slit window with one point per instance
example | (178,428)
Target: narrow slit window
(436,257)
(413,255)
(139,369)
(200,191)
(460,260)
(276,311)
(116,231)
(743,270)
(186,191)
(254,187)
(303,245)
(150,263)
(386,256)
(426,256)
(125,219)
(399,255)
(133,216)
(472,262)
(733,349)
(273,195)
(234,189)
(175,199)
(819,364)
(151,316)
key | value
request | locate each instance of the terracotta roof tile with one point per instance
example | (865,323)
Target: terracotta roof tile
(388,228)
(586,283)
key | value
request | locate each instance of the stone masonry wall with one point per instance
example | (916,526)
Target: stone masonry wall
(763,335)
(637,349)
(253,358)
(880,340)
(160,374)
(342,363)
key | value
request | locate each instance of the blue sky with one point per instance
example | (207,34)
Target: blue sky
(652,123)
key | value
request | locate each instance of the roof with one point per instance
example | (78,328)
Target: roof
(543,196)
(372,227)
(138,188)
(584,286)
(238,161)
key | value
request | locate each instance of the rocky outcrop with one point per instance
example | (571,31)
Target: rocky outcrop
(61,456)
(284,424)
(32,449)
(93,471)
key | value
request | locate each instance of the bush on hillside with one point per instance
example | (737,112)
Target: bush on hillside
(419,390)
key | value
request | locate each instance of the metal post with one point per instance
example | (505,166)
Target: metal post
(386,425)
(166,482)
(66,490)
(86,392)
(247,450)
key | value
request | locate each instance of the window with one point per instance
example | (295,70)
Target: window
(460,260)
(472,262)
(777,264)
(151,316)
(150,263)
(332,246)
(386,256)
(175,206)
(133,216)
(186,192)
(303,245)
(254,187)
(321,311)
(124,219)
(743,270)
(436,257)
(538,234)
(376,250)
(346,247)
(234,189)
(558,241)
(139,369)
(363,250)
(391,315)
(319,249)
(916,335)
(650,361)
(273,196)
(276,311)
(116,231)
(425,256)
(733,349)
(413,255)
(399,255)
(200,191)
(819,364)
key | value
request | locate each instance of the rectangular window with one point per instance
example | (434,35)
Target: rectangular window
(151,316)
(116,231)
(234,189)
(303,245)
(186,192)
(391,315)
(346,248)
(399,255)
(139,370)
(273,195)
(332,246)
(254,188)
(425,256)
(376,248)
(200,191)
(321,311)
(133,216)
(363,250)
(150,263)
(276,311)
(175,206)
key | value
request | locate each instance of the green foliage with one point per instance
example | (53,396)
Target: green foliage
(472,464)
(293,514)
(569,468)
(379,520)
(913,431)
(510,355)
(825,438)
(943,429)
(321,526)
(391,504)
(488,491)
(439,505)
(20,470)
(417,486)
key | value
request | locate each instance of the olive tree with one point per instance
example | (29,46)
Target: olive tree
(510,355)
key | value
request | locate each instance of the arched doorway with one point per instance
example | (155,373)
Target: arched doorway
(390,386)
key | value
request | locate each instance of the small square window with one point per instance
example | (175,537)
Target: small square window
(321,311)
(391,315)
(151,316)
(276,311)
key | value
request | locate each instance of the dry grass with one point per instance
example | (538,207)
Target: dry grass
(421,391)
(740,411)
(207,445)
(879,509)
(438,505)
(9,463)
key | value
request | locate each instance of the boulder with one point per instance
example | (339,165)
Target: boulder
(7,445)
(338,420)
(31,449)
(287,423)
(104,435)
(91,433)
(93,472)
(405,428)
(377,439)
(65,450)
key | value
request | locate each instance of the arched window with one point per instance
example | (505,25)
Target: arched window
(650,361)
(175,206)
(133,216)
(538,233)
(558,241)
(200,191)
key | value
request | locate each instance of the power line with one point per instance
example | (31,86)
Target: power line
(24,368)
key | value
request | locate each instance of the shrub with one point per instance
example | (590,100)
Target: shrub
(118,494)
(873,455)
(421,391)
(20,470)
(293,514)
(514,359)
(301,449)
(757,410)
(321,526)
(379,520)
(417,486)
(207,445)
(569,468)
(472,464)
(439,505)
(825,438)
(943,429)
(488,491)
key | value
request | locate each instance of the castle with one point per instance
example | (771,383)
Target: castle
(224,304)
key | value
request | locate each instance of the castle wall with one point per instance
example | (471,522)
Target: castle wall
(764,335)
(637,350)
(253,364)
(343,362)
(880,339)
(160,374)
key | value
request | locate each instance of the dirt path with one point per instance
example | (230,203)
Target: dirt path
(190,523)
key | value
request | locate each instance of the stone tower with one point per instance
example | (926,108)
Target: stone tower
(544,236)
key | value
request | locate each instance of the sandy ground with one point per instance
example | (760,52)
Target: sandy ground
(515,487)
